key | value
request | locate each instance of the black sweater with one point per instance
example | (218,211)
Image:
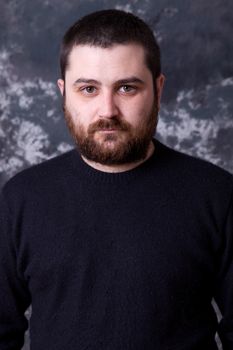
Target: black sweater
(126,261)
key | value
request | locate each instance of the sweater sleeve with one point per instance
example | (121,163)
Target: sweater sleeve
(224,289)
(14,296)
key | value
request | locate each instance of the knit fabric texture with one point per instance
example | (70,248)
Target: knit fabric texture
(117,261)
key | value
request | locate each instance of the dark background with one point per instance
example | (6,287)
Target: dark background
(197,59)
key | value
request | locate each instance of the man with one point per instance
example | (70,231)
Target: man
(122,243)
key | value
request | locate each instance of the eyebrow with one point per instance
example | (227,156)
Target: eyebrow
(128,80)
(86,81)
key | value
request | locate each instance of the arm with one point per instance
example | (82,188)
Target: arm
(14,295)
(224,285)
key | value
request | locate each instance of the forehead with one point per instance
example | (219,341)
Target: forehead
(95,62)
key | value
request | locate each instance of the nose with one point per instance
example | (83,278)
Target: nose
(108,106)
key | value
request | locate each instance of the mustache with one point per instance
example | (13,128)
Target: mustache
(108,124)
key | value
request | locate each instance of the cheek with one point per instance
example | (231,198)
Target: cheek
(138,111)
(143,103)
(83,110)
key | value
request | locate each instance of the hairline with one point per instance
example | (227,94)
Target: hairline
(125,43)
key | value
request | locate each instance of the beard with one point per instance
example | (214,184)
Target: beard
(126,144)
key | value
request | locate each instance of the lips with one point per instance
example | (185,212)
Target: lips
(108,130)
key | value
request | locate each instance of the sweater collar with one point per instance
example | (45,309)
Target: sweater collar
(89,173)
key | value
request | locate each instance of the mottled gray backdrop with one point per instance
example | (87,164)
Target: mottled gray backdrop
(196,43)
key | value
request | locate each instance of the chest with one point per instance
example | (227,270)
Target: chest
(150,242)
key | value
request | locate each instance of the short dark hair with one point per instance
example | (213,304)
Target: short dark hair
(106,28)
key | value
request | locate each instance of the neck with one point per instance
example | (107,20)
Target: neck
(119,168)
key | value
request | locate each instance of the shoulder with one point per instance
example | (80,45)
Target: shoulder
(194,172)
(42,175)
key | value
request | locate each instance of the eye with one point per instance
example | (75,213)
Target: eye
(127,89)
(88,90)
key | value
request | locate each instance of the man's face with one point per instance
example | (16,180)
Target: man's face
(110,102)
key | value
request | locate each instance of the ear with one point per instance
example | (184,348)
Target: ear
(159,84)
(61,86)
